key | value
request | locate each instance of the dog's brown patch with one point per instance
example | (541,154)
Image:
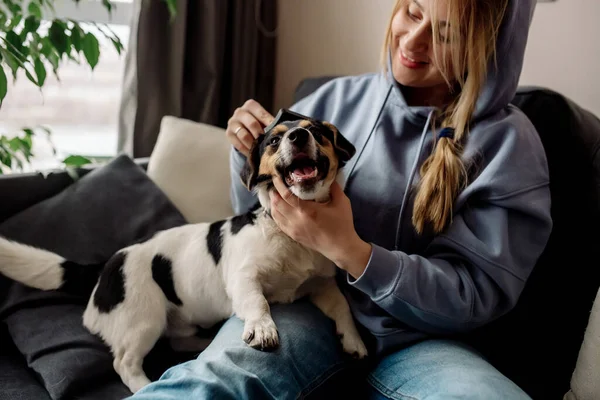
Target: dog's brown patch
(267,163)
(305,123)
(279,129)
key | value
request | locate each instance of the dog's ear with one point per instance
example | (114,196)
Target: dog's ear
(343,148)
(249,173)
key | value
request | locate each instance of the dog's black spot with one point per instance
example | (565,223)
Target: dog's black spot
(78,279)
(111,286)
(240,221)
(263,178)
(256,206)
(214,240)
(318,136)
(323,162)
(162,273)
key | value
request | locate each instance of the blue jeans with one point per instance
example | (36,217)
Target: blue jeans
(310,359)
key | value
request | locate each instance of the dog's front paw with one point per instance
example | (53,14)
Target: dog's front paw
(353,345)
(261,334)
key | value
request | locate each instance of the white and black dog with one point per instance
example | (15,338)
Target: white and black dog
(200,274)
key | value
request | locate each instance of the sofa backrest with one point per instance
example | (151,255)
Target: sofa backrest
(536,345)
(554,308)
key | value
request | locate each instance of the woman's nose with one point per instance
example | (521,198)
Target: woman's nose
(418,39)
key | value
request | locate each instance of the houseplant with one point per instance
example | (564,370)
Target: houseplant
(34,41)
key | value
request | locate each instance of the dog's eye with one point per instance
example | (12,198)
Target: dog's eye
(275,140)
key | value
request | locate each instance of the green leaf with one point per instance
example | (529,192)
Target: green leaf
(3,84)
(77,37)
(6,158)
(58,37)
(107,4)
(11,61)
(16,45)
(91,49)
(31,24)
(27,139)
(76,161)
(118,45)
(15,144)
(31,77)
(40,71)
(34,10)
(172,7)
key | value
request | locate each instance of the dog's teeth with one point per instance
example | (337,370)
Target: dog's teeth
(297,178)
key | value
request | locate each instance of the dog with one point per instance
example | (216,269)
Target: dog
(198,275)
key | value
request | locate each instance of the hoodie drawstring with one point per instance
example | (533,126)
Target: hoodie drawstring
(411,178)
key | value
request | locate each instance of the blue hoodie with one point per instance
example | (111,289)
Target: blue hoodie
(472,273)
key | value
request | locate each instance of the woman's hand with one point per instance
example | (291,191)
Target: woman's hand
(327,228)
(246,124)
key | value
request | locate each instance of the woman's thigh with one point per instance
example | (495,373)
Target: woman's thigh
(309,353)
(439,369)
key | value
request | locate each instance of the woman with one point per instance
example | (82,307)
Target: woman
(445,212)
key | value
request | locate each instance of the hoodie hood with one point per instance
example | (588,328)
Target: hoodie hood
(503,76)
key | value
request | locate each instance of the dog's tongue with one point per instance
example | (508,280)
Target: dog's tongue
(305,172)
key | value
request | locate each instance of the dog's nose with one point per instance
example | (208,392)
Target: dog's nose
(299,137)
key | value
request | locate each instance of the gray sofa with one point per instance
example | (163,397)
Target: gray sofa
(46,354)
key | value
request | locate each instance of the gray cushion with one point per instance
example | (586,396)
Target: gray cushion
(109,208)
(16,382)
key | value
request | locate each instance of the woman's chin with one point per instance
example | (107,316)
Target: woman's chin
(418,78)
(409,78)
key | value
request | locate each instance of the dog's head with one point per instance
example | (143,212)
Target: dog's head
(306,154)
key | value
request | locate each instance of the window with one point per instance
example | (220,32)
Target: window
(82,108)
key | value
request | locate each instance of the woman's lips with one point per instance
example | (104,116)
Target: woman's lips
(410,62)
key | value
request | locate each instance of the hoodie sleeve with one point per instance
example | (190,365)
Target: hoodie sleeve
(471,274)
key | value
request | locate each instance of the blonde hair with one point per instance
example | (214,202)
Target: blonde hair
(443,174)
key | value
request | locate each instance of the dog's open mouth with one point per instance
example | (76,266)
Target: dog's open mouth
(301,170)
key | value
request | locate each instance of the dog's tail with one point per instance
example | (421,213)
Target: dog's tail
(42,269)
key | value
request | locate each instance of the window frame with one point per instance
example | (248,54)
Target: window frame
(95,11)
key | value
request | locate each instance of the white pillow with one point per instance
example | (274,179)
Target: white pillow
(190,163)
(585,382)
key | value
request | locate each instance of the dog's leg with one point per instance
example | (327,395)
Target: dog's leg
(251,306)
(132,331)
(330,300)
(129,356)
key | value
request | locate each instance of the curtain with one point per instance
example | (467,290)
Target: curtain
(212,57)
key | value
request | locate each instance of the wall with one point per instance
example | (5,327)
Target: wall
(320,37)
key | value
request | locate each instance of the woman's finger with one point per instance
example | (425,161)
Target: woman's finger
(236,142)
(278,203)
(285,193)
(244,136)
(250,123)
(258,111)
(279,217)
